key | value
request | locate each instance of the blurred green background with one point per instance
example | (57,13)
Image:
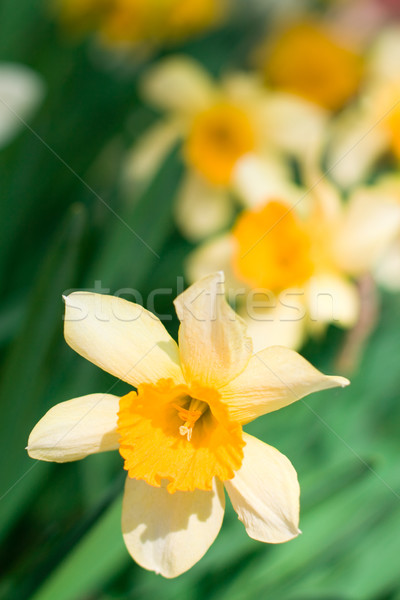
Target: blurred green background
(60,524)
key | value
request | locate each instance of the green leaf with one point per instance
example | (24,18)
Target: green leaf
(26,370)
(135,241)
(98,556)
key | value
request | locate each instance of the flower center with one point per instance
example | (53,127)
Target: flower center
(273,248)
(306,60)
(193,16)
(127,21)
(219,136)
(190,416)
(180,434)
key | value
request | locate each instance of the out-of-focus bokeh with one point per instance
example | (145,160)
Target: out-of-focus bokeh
(143,144)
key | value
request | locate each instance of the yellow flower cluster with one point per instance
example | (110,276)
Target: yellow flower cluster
(290,188)
(300,247)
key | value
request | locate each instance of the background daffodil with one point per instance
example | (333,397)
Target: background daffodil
(218,123)
(297,263)
(312,60)
(369,128)
(180,433)
(127,23)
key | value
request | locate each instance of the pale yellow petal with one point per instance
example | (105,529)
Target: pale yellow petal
(356,142)
(295,125)
(370,224)
(148,153)
(274,378)
(283,324)
(388,269)
(244,89)
(332,299)
(169,533)
(215,255)
(201,209)
(384,57)
(121,338)
(213,344)
(76,428)
(21,90)
(178,84)
(325,201)
(265,493)
(258,179)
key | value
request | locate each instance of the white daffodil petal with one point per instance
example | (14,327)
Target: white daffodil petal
(384,57)
(74,429)
(332,299)
(211,256)
(201,209)
(388,269)
(244,89)
(121,338)
(290,121)
(150,150)
(265,493)
(274,378)
(324,197)
(21,90)
(178,84)
(356,142)
(169,533)
(370,225)
(259,179)
(282,324)
(213,344)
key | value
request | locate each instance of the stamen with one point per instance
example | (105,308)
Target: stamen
(183,430)
(190,416)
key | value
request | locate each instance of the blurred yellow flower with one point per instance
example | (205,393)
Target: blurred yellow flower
(287,247)
(293,264)
(219,136)
(306,59)
(219,123)
(82,15)
(370,127)
(129,22)
(181,433)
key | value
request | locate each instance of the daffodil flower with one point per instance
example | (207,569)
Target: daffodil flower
(219,123)
(127,23)
(311,60)
(295,266)
(370,127)
(181,432)
(21,90)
